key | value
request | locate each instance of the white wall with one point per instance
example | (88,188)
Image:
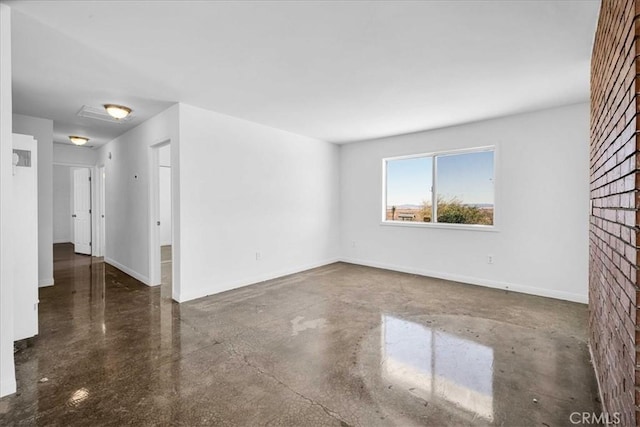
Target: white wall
(247,188)
(62,201)
(74,155)
(7,369)
(165,194)
(127,193)
(241,189)
(542,187)
(42,131)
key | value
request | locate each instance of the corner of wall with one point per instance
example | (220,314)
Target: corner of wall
(613,260)
(7,368)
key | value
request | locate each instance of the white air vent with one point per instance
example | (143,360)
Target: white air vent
(100,114)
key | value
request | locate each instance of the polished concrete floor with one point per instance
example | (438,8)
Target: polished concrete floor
(337,345)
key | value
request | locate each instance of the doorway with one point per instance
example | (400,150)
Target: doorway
(161,218)
(164,199)
(99,247)
(72,207)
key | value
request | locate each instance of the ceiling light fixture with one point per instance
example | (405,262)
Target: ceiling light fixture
(118,112)
(78,140)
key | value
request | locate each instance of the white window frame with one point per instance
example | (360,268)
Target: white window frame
(434,191)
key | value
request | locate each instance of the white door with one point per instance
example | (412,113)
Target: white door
(25,237)
(82,211)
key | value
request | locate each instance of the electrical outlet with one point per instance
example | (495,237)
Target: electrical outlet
(489,259)
(258,256)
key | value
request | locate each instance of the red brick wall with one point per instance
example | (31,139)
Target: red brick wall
(613,263)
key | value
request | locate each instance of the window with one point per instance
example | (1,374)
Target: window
(451,188)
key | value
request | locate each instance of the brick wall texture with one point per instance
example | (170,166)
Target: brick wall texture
(615,180)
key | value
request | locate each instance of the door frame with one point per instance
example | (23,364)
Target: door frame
(100,235)
(155,266)
(90,172)
(94,207)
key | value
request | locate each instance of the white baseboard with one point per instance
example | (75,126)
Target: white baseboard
(61,241)
(129,271)
(7,387)
(566,296)
(43,283)
(253,280)
(183,297)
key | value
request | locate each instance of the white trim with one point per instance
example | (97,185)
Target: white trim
(497,184)
(56,242)
(256,279)
(7,387)
(97,199)
(127,270)
(43,283)
(443,152)
(155,272)
(384,204)
(512,287)
(434,191)
(473,227)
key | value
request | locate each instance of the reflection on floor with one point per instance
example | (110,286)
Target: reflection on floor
(165,269)
(337,345)
(434,364)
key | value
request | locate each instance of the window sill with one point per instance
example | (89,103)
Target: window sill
(468,227)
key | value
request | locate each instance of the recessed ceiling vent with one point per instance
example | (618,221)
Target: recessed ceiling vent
(100,114)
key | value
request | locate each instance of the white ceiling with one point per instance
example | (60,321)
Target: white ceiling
(337,71)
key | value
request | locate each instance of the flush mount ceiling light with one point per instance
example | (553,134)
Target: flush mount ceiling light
(99,113)
(78,140)
(118,112)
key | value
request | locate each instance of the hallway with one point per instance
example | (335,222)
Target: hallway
(337,345)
